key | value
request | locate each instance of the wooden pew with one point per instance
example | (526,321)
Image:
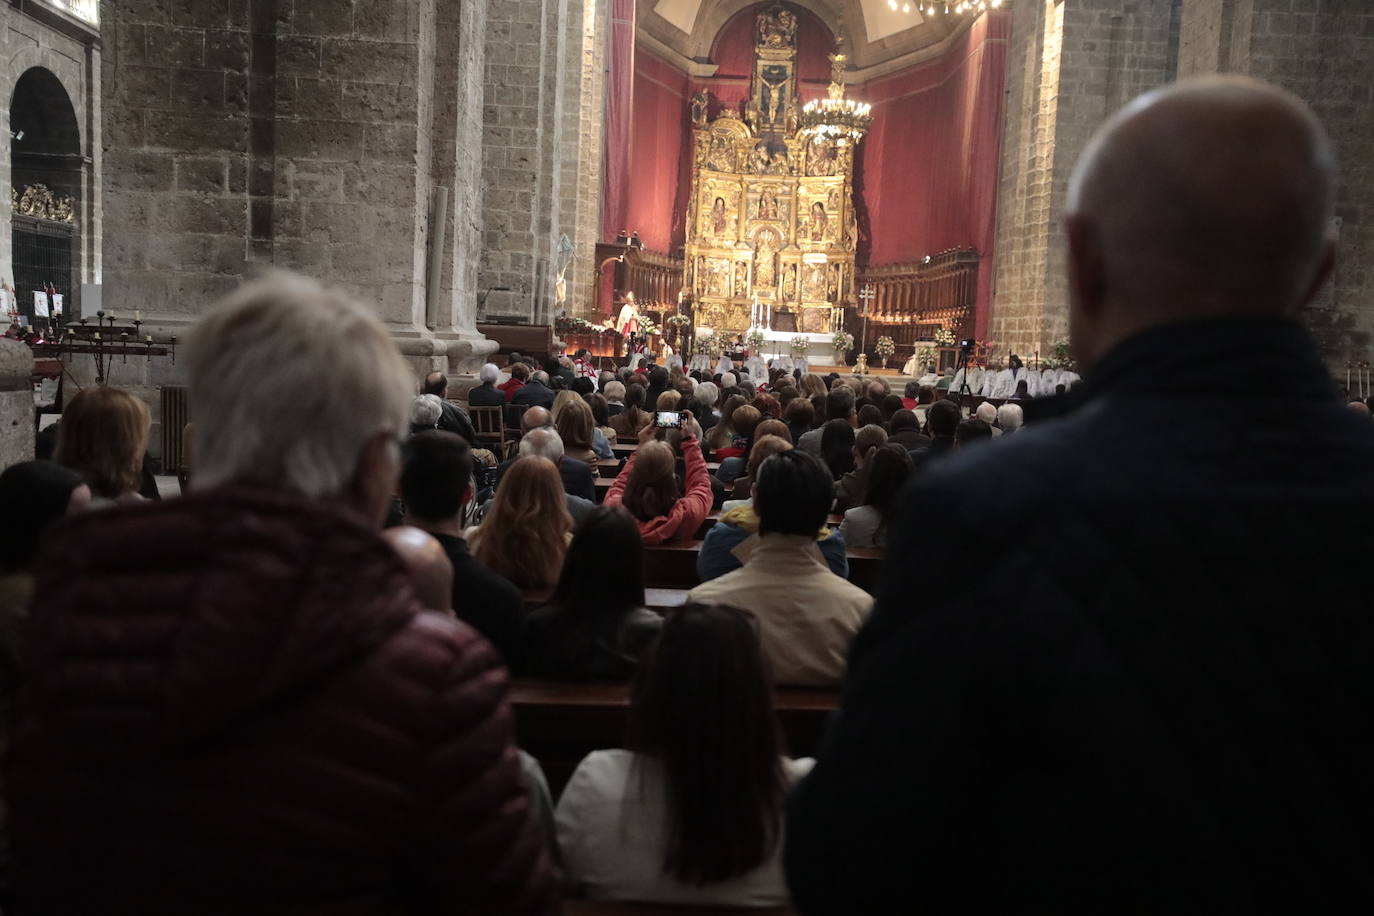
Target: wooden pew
(560,723)
(603,486)
(865,566)
(672,565)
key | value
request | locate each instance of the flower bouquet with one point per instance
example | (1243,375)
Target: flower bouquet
(885,347)
(799,345)
(756,340)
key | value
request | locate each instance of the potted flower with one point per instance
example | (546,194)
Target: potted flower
(704,345)
(944,337)
(756,341)
(842,342)
(799,345)
(885,347)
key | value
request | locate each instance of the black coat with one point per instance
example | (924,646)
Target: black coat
(484,600)
(534,395)
(487,395)
(1140,680)
(453,419)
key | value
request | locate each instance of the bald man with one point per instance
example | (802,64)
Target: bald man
(1142,684)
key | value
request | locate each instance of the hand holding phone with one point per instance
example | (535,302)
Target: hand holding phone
(668,419)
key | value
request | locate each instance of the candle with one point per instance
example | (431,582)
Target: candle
(138,316)
(148,339)
(97,336)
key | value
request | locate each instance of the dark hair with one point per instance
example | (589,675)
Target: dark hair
(799,412)
(818,404)
(912,389)
(658,378)
(793,494)
(436,383)
(583,385)
(35,495)
(436,470)
(885,472)
(603,571)
(870,415)
(971,430)
(902,419)
(1022,389)
(601,411)
(837,447)
(839,403)
(551,366)
(702,706)
(891,404)
(943,417)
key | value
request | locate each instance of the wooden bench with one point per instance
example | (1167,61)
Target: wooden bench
(603,486)
(559,723)
(618,908)
(672,565)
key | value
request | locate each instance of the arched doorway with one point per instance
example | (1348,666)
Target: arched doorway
(45,179)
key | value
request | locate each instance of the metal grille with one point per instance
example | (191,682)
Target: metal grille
(176,413)
(43,256)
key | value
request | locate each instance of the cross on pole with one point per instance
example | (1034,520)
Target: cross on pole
(867,296)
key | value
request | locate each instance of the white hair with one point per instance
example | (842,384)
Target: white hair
(987,412)
(426,410)
(262,416)
(708,394)
(542,442)
(541,377)
(614,390)
(727,380)
(488,373)
(1010,417)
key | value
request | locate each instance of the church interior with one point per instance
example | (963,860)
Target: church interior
(718,288)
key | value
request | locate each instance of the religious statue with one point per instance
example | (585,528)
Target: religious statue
(766,266)
(701,101)
(813,286)
(776,30)
(773,100)
(789,282)
(819,222)
(719,156)
(741,278)
(768,204)
(820,157)
(720,217)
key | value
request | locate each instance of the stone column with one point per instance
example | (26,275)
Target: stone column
(16,403)
(1324,54)
(295,135)
(1071,63)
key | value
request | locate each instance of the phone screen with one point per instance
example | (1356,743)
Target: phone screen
(669,419)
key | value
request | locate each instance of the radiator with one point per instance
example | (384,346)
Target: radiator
(176,413)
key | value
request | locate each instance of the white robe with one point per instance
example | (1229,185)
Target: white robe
(725,364)
(628,322)
(975,381)
(1010,381)
(700,363)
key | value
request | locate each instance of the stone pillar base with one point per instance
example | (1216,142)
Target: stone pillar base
(16,403)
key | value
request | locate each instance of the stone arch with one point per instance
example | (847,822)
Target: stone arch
(839,16)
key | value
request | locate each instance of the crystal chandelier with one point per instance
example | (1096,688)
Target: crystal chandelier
(835,117)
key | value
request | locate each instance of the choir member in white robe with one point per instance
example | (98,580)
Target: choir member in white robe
(992,381)
(724,364)
(975,381)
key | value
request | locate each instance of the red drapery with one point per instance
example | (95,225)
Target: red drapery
(661,159)
(929,165)
(620,81)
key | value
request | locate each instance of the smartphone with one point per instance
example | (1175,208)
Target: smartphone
(668,419)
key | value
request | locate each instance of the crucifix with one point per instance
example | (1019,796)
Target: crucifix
(867,296)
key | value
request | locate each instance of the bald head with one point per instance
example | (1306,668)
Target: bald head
(429,567)
(1207,198)
(534,418)
(1359,407)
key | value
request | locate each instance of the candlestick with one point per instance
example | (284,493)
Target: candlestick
(138,315)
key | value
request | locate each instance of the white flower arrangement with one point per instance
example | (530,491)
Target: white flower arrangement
(885,347)
(799,345)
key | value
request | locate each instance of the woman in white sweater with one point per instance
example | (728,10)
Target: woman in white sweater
(693,813)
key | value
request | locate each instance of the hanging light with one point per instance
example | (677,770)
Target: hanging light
(835,117)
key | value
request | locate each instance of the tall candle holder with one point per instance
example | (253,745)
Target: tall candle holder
(102,341)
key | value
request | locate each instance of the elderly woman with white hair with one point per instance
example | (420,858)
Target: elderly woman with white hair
(487,394)
(987,412)
(425,412)
(1011,418)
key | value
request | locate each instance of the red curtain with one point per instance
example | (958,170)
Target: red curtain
(620,82)
(929,164)
(662,134)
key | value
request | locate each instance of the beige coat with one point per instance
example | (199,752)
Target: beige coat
(807,615)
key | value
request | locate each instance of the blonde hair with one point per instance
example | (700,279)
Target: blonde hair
(772,427)
(812,385)
(103,434)
(652,488)
(560,401)
(262,415)
(669,400)
(525,532)
(766,447)
(867,439)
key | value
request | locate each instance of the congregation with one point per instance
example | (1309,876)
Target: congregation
(1113,661)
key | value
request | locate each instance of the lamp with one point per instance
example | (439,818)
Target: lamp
(836,117)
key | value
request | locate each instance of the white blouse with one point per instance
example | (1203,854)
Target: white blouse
(610,830)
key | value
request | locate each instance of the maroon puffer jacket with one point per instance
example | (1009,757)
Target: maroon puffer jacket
(236,705)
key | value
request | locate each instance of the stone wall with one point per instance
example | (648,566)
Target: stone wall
(1072,63)
(16,403)
(1324,54)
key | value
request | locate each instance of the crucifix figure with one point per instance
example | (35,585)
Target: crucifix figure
(867,296)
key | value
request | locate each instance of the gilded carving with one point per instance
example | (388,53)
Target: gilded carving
(40,202)
(767,201)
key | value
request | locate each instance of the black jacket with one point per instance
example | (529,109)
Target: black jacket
(1140,681)
(486,395)
(484,600)
(454,420)
(535,395)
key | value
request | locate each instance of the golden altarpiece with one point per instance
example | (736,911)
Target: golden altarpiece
(771,221)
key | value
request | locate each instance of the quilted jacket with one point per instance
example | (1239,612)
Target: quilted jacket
(236,705)
(1138,678)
